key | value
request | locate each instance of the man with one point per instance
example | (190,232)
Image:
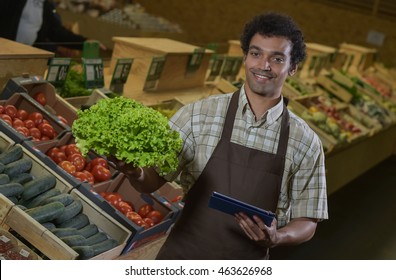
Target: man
(249,146)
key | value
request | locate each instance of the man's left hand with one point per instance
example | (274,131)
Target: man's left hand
(256,230)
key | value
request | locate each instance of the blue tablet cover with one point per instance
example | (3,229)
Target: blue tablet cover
(231,206)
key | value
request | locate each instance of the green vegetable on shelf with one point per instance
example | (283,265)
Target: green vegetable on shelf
(129,131)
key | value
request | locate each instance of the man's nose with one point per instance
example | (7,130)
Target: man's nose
(265,64)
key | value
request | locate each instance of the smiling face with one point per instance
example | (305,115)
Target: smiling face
(267,65)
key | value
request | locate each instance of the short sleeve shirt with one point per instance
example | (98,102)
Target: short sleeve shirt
(303,189)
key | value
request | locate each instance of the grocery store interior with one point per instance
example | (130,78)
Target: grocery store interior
(166,54)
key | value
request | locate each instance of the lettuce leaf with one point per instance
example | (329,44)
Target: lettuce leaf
(129,131)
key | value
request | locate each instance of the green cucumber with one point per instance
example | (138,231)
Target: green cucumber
(96,238)
(48,225)
(22,178)
(13,199)
(46,213)
(104,246)
(4,179)
(2,167)
(63,232)
(84,252)
(74,240)
(88,230)
(15,168)
(72,210)
(79,221)
(22,207)
(38,185)
(12,154)
(63,198)
(38,200)
(11,189)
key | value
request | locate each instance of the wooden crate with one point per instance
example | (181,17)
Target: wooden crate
(334,88)
(174,74)
(85,101)
(362,59)
(17,59)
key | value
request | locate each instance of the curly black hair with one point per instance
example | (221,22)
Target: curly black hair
(275,24)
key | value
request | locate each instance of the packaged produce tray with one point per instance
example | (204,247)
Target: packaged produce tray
(122,186)
(54,103)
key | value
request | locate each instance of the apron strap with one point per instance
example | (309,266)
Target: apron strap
(230,117)
(285,127)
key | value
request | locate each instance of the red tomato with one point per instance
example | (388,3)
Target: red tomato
(90,177)
(17,123)
(22,114)
(113,200)
(59,157)
(51,152)
(103,194)
(62,119)
(81,176)
(155,215)
(68,167)
(134,217)
(6,118)
(177,198)
(101,173)
(44,138)
(72,149)
(47,130)
(23,130)
(36,117)
(99,161)
(63,148)
(145,209)
(124,207)
(114,196)
(77,160)
(88,167)
(35,133)
(40,98)
(10,110)
(29,123)
(149,222)
(1,109)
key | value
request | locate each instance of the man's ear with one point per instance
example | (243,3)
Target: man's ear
(293,69)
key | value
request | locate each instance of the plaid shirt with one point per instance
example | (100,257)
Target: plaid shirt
(200,124)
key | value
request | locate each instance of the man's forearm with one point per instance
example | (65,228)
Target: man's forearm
(297,231)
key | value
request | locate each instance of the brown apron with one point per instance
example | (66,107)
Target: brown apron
(246,174)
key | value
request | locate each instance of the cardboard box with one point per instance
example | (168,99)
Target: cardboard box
(161,64)
(122,186)
(17,59)
(22,100)
(31,85)
(82,102)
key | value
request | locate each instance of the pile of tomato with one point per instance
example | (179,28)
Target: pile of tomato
(29,124)
(146,216)
(69,158)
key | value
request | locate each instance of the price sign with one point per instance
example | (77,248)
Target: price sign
(93,72)
(232,66)
(216,66)
(57,71)
(120,74)
(195,61)
(155,70)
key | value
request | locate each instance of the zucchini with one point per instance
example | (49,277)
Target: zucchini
(63,232)
(38,185)
(12,154)
(84,252)
(22,178)
(11,189)
(72,210)
(63,198)
(2,166)
(79,221)
(23,208)
(4,179)
(13,199)
(104,246)
(38,200)
(46,213)
(74,240)
(48,225)
(96,238)
(88,230)
(15,168)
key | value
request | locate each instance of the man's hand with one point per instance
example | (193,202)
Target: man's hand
(128,169)
(256,230)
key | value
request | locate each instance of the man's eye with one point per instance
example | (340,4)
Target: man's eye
(278,59)
(254,53)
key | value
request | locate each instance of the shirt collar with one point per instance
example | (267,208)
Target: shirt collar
(269,117)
